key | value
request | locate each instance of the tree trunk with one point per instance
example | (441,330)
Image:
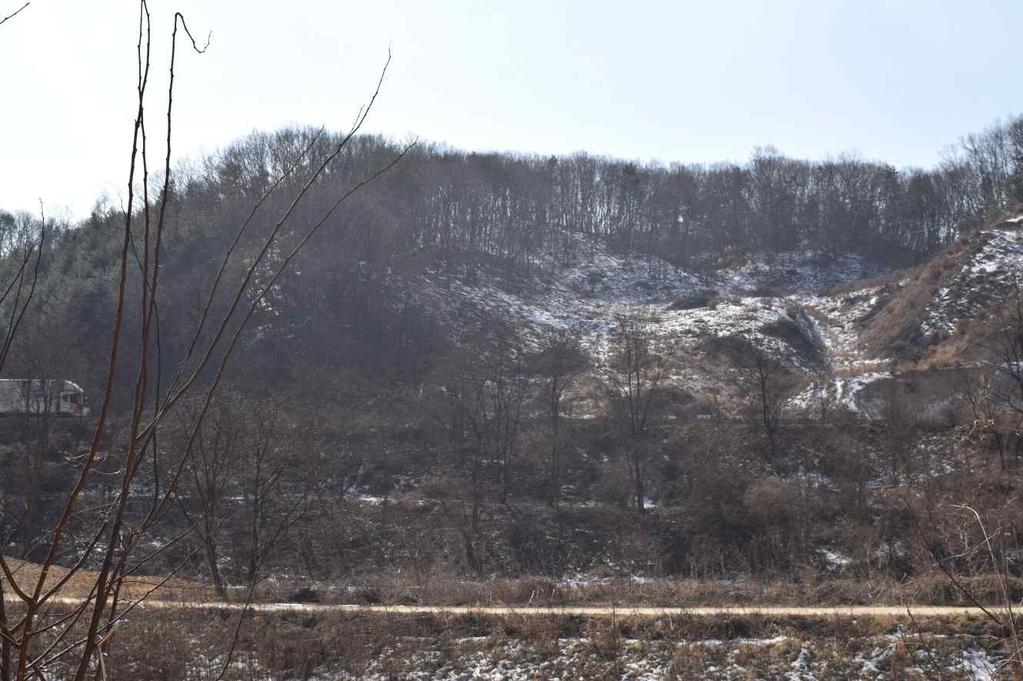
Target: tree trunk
(637,480)
(211,563)
(5,644)
(553,486)
(253,567)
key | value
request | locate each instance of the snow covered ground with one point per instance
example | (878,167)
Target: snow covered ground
(899,655)
(591,296)
(684,313)
(792,272)
(995,268)
(777,303)
(840,317)
(844,392)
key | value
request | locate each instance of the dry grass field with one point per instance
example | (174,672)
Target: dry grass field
(136,586)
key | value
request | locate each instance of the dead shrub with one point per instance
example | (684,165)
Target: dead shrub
(691,662)
(604,637)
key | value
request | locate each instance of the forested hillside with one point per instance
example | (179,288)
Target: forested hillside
(551,365)
(455,214)
(324,403)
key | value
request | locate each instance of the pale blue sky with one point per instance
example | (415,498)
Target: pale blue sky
(674,81)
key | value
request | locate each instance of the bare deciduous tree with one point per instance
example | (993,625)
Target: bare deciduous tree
(38,638)
(486,389)
(763,379)
(635,375)
(559,364)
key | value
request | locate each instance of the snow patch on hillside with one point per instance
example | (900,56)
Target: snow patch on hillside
(840,318)
(987,276)
(606,276)
(841,393)
(591,296)
(687,315)
(796,271)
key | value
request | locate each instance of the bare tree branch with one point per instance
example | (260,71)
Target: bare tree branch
(14,14)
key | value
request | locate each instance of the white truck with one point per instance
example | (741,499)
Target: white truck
(33,396)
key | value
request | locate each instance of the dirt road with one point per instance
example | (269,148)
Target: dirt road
(590,611)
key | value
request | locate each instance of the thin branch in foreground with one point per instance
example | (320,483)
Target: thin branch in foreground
(16,13)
